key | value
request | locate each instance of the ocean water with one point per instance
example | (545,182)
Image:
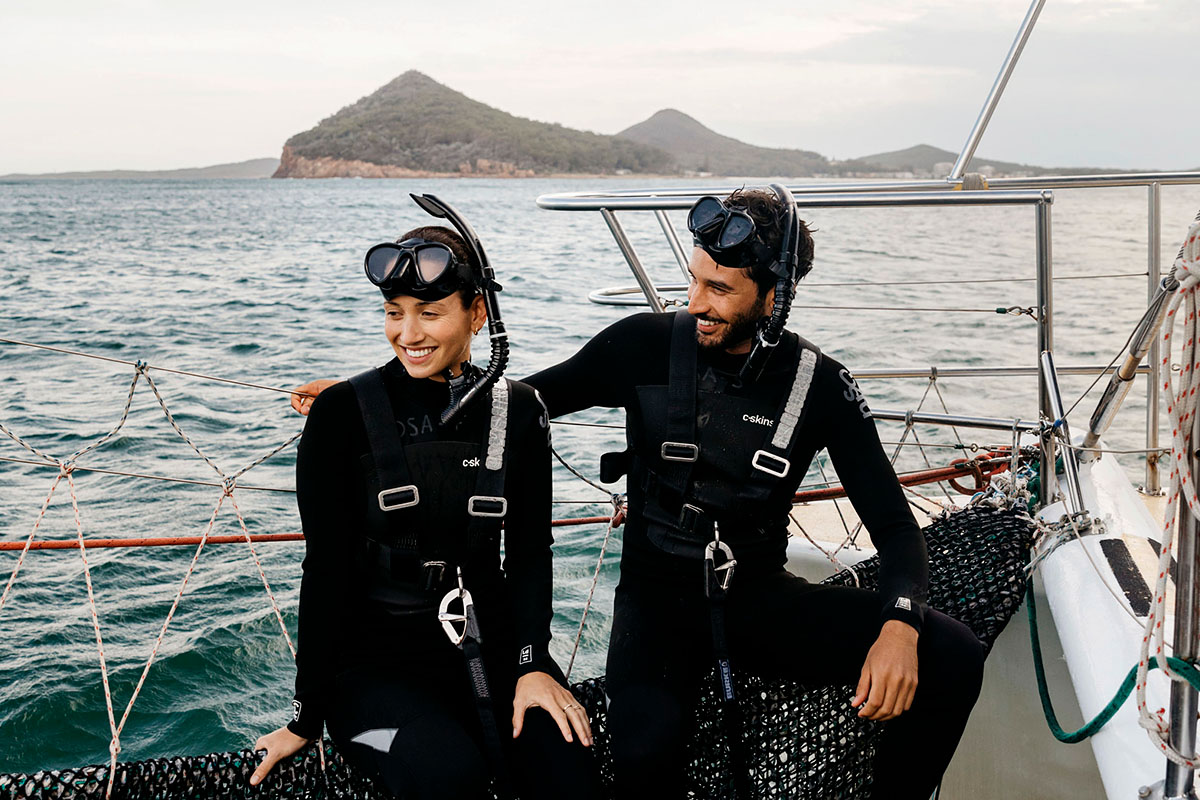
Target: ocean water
(261,281)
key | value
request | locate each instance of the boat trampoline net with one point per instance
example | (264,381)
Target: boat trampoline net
(800,741)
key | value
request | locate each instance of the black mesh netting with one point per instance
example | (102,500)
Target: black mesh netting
(801,742)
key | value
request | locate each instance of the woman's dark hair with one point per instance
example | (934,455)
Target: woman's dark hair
(467,269)
(769,216)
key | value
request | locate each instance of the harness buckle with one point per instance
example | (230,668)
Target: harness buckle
(771,463)
(432,574)
(482,505)
(689,517)
(470,626)
(717,577)
(680,451)
(399,497)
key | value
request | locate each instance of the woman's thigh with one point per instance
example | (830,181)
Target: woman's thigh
(415,734)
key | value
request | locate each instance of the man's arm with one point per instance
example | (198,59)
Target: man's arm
(888,680)
(303,396)
(871,485)
(627,353)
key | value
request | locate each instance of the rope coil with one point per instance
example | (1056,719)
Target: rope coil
(1181,410)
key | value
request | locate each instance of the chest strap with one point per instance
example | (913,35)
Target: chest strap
(772,457)
(769,464)
(680,448)
(396,488)
(488,506)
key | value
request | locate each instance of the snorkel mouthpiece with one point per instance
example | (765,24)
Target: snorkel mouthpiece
(473,383)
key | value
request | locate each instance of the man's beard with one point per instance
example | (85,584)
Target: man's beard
(737,330)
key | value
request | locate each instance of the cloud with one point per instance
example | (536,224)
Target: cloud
(172,81)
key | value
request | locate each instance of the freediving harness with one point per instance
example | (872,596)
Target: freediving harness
(425,556)
(668,474)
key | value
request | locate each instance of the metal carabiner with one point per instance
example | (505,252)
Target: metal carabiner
(467,618)
(719,575)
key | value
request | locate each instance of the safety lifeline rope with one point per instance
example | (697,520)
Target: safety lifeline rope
(66,468)
(1181,410)
(618,517)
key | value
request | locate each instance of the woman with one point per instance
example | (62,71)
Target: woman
(404,477)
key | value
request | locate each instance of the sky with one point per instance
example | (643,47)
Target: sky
(142,84)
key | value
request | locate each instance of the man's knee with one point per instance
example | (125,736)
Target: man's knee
(646,724)
(955,657)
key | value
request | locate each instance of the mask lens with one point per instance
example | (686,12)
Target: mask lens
(381,263)
(737,230)
(432,262)
(705,214)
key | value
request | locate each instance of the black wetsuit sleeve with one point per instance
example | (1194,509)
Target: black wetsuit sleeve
(628,353)
(322,489)
(871,485)
(528,564)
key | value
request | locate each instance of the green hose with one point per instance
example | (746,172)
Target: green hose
(1184,668)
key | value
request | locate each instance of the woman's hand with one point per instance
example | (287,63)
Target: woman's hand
(279,745)
(303,396)
(539,690)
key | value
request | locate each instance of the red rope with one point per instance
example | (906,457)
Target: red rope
(987,466)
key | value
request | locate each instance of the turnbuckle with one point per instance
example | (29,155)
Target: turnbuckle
(470,626)
(717,576)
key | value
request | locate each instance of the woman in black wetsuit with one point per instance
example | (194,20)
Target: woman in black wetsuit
(404,476)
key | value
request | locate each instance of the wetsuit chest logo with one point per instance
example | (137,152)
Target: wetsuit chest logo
(470,462)
(758,419)
(415,426)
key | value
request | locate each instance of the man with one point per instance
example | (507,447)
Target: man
(725,412)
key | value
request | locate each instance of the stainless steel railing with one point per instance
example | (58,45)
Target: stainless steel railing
(1034,191)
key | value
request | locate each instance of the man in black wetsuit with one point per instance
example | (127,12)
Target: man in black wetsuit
(714,453)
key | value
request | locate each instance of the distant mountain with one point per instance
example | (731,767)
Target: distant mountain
(696,148)
(415,126)
(254,168)
(923,157)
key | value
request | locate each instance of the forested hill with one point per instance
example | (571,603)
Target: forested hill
(699,149)
(416,126)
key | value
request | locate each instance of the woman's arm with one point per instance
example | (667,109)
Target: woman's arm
(325,498)
(528,561)
(529,575)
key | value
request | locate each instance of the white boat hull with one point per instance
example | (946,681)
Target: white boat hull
(1089,641)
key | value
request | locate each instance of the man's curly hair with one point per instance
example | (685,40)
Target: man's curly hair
(770,215)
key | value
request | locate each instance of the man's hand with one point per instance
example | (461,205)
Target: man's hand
(539,690)
(303,396)
(889,675)
(279,744)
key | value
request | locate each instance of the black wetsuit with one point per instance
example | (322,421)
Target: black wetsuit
(778,624)
(361,667)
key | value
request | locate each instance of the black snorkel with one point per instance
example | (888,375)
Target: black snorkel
(469,386)
(786,271)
